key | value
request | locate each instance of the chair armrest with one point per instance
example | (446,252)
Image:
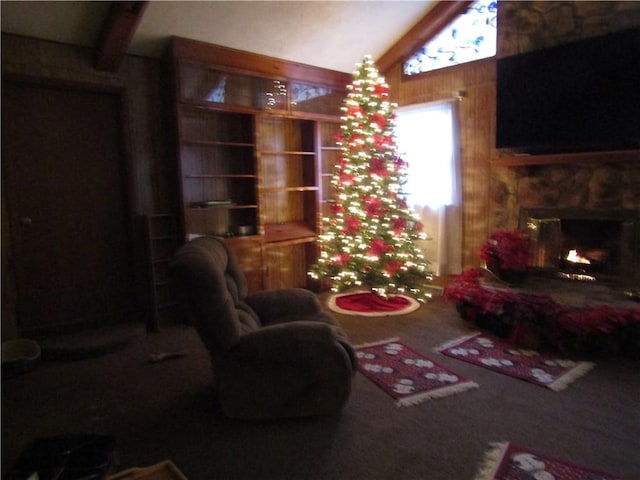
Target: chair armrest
(287,343)
(271,304)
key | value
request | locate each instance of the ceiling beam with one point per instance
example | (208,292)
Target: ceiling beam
(428,27)
(117,31)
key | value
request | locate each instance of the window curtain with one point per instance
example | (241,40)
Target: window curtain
(427,138)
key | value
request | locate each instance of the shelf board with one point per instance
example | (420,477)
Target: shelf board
(216,175)
(289,231)
(287,152)
(313,188)
(559,158)
(230,206)
(217,143)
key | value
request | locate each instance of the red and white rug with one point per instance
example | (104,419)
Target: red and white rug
(370,304)
(504,461)
(406,375)
(545,370)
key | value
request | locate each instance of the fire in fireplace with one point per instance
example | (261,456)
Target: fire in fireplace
(584,244)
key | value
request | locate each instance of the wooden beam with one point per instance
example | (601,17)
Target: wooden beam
(428,27)
(117,32)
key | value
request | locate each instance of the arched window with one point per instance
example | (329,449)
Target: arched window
(471,36)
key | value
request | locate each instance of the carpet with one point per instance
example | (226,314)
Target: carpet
(541,369)
(505,461)
(370,304)
(406,375)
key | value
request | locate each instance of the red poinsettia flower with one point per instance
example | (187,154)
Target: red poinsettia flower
(393,267)
(341,259)
(354,111)
(346,179)
(379,120)
(374,207)
(351,225)
(378,167)
(382,141)
(508,250)
(381,90)
(379,248)
(399,224)
(337,208)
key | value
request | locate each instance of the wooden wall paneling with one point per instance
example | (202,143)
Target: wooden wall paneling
(474,85)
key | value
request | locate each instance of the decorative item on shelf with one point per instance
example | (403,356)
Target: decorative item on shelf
(507,255)
(244,230)
(213,203)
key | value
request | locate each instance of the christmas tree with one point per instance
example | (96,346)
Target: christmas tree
(369,239)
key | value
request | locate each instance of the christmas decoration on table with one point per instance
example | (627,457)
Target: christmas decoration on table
(369,238)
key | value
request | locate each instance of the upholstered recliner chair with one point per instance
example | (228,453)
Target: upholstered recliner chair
(274,353)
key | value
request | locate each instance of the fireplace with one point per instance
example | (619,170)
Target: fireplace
(584,243)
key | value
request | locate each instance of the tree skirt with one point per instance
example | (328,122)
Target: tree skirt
(505,461)
(406,375)
(370,304)
(540,369)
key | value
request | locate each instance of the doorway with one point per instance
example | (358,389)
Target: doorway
(65,181)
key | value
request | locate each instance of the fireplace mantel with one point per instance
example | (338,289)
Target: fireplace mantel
(507,159)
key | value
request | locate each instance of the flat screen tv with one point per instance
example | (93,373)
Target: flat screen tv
(582,96)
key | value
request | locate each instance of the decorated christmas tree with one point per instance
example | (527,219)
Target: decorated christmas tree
(369,239)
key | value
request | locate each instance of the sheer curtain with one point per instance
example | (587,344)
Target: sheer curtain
(426,135)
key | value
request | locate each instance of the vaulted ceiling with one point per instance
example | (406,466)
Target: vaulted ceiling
(328,34)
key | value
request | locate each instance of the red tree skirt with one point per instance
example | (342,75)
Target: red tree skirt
(369,303)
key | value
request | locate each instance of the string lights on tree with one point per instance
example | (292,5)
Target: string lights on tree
(369,239)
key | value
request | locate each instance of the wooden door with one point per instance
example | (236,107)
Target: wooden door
(64,175)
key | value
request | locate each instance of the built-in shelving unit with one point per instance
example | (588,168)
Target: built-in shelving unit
(255,149)
(328,133)
(159,232)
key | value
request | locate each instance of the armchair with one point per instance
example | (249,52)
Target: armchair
(274,353)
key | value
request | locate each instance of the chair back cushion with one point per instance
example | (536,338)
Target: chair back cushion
(213,287)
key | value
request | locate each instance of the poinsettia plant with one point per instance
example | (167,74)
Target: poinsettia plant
(507,250)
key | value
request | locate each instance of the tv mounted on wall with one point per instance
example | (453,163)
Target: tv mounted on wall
(578,97)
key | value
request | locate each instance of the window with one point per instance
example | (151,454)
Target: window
(427,139)
(471,36)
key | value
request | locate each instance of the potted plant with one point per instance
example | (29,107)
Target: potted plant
(507,255)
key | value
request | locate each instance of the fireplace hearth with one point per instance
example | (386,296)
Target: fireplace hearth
(585,244)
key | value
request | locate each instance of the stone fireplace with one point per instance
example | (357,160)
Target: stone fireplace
(588,244)
(591,206)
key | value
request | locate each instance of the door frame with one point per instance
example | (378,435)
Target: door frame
(10,294)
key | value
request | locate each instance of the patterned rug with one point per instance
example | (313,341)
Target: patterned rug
(505,461)
(541,369)
(406,375)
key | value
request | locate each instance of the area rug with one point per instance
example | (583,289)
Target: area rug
(504,461)
(406,375)
(369,304)
(545,370)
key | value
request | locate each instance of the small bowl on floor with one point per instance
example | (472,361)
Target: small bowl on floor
(19,356)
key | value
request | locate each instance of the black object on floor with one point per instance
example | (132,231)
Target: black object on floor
(68,457)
